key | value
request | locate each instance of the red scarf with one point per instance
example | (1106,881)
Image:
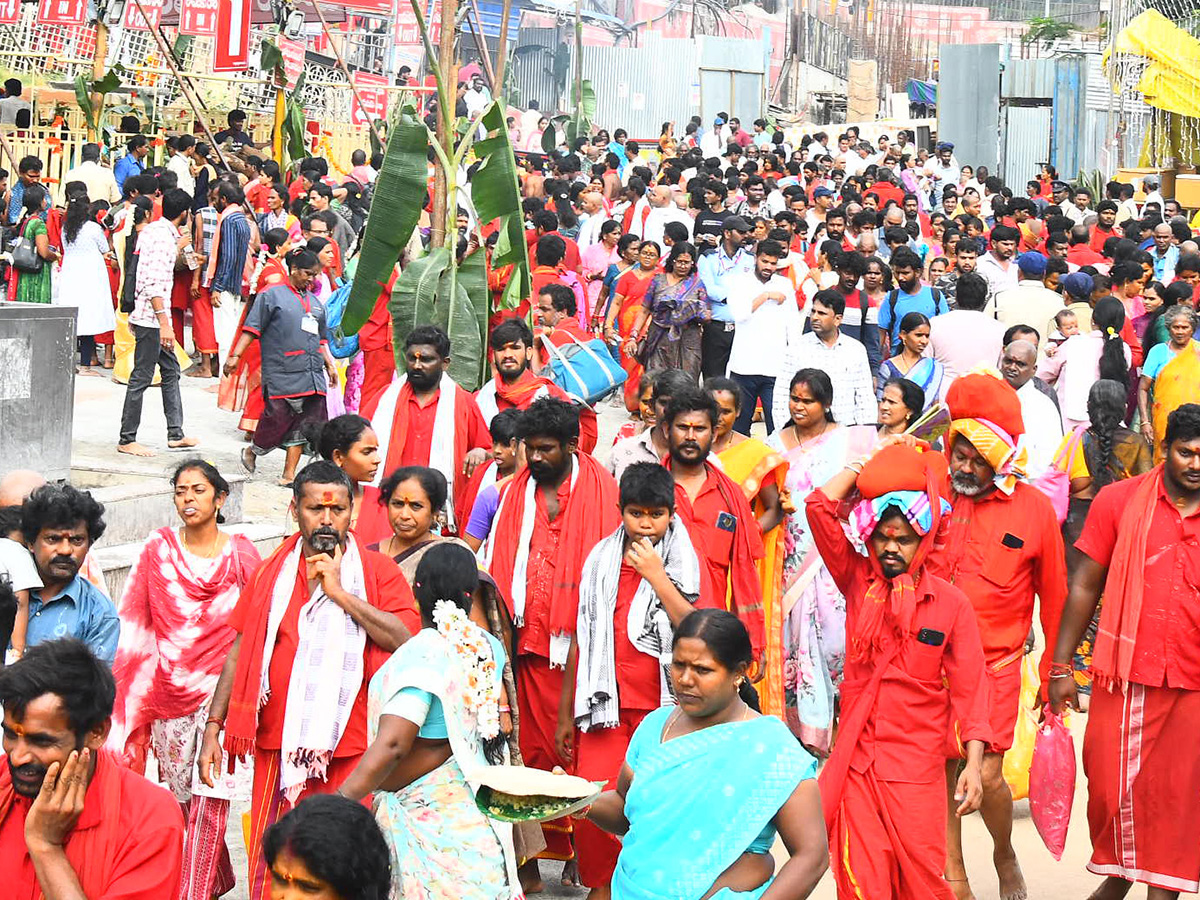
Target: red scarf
(241,722)
(175,637)
(465,501)
(521,392)
(91,846)
(589,514)
(372,523)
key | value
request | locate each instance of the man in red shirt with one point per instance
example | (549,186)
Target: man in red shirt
(546,222)
(1079,251)
(643,571)
(885,190)
(74,821)
(1002,548)
(423,419)
(559,317)
(315,622)
(511,343)
(551,514)
(375,342)
(1105,227)
(1140,549)
(913,657)
(717,515)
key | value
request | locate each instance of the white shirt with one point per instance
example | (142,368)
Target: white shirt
(1043,429)
(998,277)
(846,365)
(101,185)
(180,165)
(656,222)
(17,563)
(476,101)
(589,229)
(9,107)
(761,336)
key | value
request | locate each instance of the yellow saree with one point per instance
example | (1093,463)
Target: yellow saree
(1178,383)
(752,464)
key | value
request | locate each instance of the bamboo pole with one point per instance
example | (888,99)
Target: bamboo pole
(184,87)
(447,98)
(484,55)
(345,70)
(502,49)
(12,159)
(97,74)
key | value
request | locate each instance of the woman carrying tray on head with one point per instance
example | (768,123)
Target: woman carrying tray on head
(434,719)
(708,783)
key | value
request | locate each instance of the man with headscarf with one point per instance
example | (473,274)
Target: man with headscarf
(1003,546)
(882,790)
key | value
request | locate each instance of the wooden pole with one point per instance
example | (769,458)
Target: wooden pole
(184,87)
(12,159)
(445,123)
(345,70)
(502,49)
(578,66)
(484,55)
(97,74)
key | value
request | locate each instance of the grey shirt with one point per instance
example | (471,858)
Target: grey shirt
(291,330)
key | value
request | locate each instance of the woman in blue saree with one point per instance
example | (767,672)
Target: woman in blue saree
(707,784)
(924,371)
(433,719)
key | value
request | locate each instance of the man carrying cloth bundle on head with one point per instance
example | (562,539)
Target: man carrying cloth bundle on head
(551,514)
(913,654)
(315,622)
(1140,549)
(1003,546)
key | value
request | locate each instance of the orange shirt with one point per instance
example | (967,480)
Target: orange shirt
(1002,550)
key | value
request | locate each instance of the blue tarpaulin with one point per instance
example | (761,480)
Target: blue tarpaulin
(923,92)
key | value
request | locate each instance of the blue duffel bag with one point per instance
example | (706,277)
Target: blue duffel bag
(584,369)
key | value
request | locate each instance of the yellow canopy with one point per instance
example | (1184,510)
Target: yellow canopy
(1171,80)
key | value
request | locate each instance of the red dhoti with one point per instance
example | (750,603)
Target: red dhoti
(600,754)
(204,335)
(539,688)
(888,841)
(1143,771)
(268,805)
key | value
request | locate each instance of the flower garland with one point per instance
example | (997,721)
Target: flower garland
(481,695)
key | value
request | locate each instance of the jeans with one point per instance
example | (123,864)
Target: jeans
(714,348)
(148,352)
(754,388)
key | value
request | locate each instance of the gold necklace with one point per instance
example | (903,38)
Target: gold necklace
(212,551)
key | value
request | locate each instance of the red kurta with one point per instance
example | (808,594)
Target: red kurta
(375,341)
(1001,550)
(529,387)
(884,787)
(127,844)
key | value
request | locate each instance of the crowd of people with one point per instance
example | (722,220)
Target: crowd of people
(975,404)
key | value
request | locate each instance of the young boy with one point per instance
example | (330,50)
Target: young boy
(637,585)
(482,496)
(18,575)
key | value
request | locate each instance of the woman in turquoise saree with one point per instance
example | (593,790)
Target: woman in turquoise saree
(433,719)
(707,784)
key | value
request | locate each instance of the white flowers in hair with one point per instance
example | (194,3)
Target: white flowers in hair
(481,693)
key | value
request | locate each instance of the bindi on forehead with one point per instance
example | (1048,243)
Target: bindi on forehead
(891,529)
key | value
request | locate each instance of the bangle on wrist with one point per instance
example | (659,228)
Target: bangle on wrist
(1058,669)
(213,720)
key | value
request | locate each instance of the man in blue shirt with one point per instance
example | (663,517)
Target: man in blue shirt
(60,525)
(909,296)
(1164,253)
(29,171)
(717,271)
(136,149)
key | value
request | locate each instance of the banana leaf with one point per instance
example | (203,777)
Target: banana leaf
(84,99)
(496,193)
(414,295)
(472,277)
(400,195)
(456,314)
(270,57)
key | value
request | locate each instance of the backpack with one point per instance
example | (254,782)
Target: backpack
(893,298)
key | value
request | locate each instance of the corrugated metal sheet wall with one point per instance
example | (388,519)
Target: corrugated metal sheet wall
(533,66)
(639,88)
(1027,78)
(1026,143)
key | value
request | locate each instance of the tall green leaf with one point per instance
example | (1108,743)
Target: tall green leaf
(400,195)
(84,99)
(496,193)
(414,296)
(456,314)
(472,276)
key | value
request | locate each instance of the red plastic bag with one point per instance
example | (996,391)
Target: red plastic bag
(1052,782)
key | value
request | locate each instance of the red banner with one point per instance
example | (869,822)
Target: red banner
(293,59)
(10,12)
(198,17)
(62,12)
(231,51)
(371,7)
(134,18)
(372,90)
(406,28)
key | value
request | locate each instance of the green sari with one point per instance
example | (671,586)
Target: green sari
(34,287)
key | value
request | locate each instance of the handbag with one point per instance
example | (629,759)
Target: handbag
(25,258)
(341,346)
(584,369)
(1055,482)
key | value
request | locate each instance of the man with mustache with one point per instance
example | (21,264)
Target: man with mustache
(1003,547)
(60,524)
(717,515)
(514,385)
(74,821)
(424,419)
(551,514)
(913,662)
(315,621)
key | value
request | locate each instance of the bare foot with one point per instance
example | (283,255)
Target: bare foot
(249,460)
(531,878)
(600,893)
(1012,882)
(86,370)
(183,443)
(1111,889)
(570,874)
(285,482)
(134,449)
(956,878)
(212,388)
(197,372)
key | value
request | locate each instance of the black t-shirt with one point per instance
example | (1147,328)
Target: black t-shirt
(236,137)
(710,223)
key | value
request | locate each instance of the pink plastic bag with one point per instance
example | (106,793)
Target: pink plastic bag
(1052,782)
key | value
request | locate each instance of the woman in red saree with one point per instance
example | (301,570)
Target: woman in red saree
(623,312)
(243,390)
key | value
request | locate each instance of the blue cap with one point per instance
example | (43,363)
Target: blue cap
(1032,263)
(822,192)
(1078,285)
(944,145)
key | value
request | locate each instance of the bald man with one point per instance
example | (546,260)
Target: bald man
(1043,425)
(17,485)
(662,211)
(593,215)
(1164,253)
